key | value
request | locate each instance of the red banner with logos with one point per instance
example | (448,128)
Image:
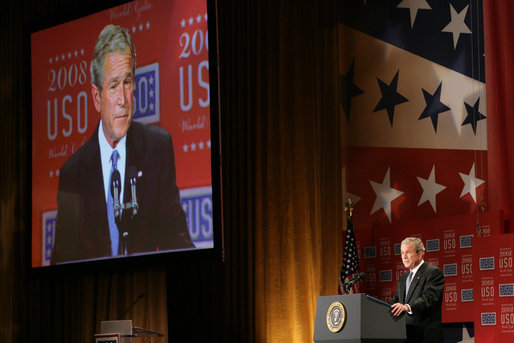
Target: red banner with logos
(172,91)
(494,288)
(448,242)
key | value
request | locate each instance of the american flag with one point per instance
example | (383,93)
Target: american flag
(412,92)
(350,258)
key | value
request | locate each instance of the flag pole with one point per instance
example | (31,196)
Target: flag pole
(350,264)
(348,207)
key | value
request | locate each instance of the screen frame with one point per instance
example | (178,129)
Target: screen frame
(152,259)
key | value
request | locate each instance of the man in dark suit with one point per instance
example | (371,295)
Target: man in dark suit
(419,294)
(117,194)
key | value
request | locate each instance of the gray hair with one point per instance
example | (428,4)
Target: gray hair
(113,38)
(416,242)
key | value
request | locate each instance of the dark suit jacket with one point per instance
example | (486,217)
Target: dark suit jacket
(82,229)
(425,299)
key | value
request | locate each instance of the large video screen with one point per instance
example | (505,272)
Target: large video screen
(124,160)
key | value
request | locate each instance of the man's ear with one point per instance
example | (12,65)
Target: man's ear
(95,93)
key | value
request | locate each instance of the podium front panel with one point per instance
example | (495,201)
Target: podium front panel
(365,321)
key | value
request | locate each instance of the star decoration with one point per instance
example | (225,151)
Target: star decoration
(457,26)
(430,189)
(348,91)
(385,195)
(473,115)
(470,183)
(390,97)
(414,6)
(434,106)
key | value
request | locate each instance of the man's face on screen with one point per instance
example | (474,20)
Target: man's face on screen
(115,101)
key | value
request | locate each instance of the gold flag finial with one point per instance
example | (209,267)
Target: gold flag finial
(349,206)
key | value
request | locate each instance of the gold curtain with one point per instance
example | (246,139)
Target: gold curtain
(284,132)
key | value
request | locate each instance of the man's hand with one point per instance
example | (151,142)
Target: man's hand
(398,309)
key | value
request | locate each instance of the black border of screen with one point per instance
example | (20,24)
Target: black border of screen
(150,260)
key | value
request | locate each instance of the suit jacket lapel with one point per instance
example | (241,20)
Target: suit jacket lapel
(94,180)
(134,161)
(401,287)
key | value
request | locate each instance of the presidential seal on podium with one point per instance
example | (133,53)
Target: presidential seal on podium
(336,316)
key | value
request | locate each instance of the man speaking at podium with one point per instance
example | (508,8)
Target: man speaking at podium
(117,194)
(419,293)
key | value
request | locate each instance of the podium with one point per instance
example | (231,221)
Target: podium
(123,331)
(356,318)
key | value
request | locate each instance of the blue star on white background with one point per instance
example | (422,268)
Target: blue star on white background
(348,91)
(473,115)
(434,106)
(390,97)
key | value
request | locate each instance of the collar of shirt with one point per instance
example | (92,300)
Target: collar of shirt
(415,270)
(105,157)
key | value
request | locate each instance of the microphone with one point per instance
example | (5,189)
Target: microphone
(115,192)
(132,175)
(132,305)
(356,277)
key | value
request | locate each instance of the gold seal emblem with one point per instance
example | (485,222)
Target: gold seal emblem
(336,316)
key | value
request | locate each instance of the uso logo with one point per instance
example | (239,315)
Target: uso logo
(487,263)
(146,94)
(370,252)
(506,290)
(466,295)
(450,269)
(386,275)
(488,318)
(48,236)
(465,241)
(397,249)
(197,205)
(432,245)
